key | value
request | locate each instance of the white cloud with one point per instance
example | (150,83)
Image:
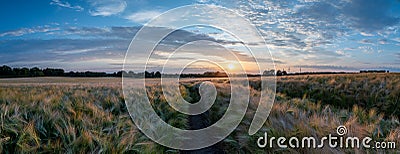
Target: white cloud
(142,17)
(340,52)
(397,39)
(366,49)
(383,41)
(107,7)
(366,34)
(367,41)
(24,31)
(66,5)
(203,1)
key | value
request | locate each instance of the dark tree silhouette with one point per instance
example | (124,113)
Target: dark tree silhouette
(34,72)
(279,73)
(53,72)
(157,74)
(284,73)
(6,71)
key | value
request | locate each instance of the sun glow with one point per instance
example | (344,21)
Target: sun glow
(231,66)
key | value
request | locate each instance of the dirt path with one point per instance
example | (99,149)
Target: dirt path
(198,122)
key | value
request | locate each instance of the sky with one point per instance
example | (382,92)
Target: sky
(94,35)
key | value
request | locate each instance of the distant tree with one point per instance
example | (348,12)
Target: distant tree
(53,72)
(94,74)
(34,72)
(70,74)
(6,71)
(24,72)
(149,75)
(131,74)
(279,73)
(121,73)
(157,74)
(269,73)
(16,72)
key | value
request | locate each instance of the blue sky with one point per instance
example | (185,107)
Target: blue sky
(316,35)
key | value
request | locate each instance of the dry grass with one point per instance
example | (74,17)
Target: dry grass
(65,117)
(88,115)
(304,107)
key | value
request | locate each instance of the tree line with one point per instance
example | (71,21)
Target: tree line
(8,72)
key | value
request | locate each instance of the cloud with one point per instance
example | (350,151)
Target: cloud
(369,15)
(290,24)
(364,16)
(176,38)
(71,54)
(341,52)
(318,31)
(316,23)
(366,34)
(24,31)
(103,32)
(383,41)
(367,41)
(79,48)
(85,31)
(78,45)
(66,5)
(397,39)
(107,7)
(366,49)
(143,16)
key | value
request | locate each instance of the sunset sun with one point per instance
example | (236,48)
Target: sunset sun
(231,66)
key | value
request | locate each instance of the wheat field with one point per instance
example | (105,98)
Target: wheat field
(89,115)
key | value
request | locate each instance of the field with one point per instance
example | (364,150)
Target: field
(88,115)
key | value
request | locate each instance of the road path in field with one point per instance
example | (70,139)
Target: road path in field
(198,122)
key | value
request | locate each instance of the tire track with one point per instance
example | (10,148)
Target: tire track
(198,122)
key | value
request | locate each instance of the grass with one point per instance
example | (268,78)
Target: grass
(88,115)
(380,91)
